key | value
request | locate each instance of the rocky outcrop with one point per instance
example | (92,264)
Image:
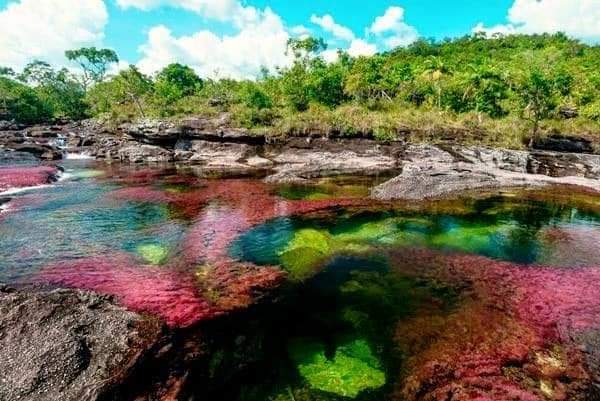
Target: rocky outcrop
(568,143)
(68,345)
(432,172)
(136,153)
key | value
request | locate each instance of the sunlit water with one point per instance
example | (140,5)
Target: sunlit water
(359,274)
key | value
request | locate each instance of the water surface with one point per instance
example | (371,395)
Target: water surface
(371,295)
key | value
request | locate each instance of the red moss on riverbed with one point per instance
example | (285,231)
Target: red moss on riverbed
(201,281)
(21,177)
(510,337)
(170,295)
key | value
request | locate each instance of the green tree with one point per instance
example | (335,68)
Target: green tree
(94,63)
(37,73)
(435,70)
(7,72)
(131,85)
(175,82)
(537,98)
(21,103)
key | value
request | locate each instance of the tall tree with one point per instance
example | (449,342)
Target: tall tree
(536,92)
(93,62)
(175,82)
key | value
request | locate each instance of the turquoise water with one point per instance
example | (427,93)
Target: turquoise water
(331,333)
(497,227)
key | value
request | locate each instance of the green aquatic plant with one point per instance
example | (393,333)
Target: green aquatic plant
(469,238)
(153,253)
(352,369)
(307,249)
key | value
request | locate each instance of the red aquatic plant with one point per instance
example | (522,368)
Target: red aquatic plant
(20,177)
(510,337)
(170,295)
(234,285)
(141,194)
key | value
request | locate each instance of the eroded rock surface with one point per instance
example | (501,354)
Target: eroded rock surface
(67,345)
(432,172)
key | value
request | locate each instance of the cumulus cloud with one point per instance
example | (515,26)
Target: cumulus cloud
(44,29)
(391,29)
(577,18)
(301,31)
(258,44)
(222,10)
(328,24)
(360,47)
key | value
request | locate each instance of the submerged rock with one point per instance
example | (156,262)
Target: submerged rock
(67,344)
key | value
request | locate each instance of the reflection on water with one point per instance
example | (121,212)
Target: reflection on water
(377,300)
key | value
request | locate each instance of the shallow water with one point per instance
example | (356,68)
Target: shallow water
(372,294)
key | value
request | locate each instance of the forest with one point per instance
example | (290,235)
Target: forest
(504,90)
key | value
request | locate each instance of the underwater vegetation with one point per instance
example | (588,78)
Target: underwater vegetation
(352,369)
(153,253)
(490,298)
(20,177)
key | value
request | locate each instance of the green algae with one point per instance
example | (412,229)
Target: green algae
(153,253)
(304,253)
(324,189)
(352,369)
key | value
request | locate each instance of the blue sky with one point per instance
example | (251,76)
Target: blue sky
(127,29)
(237,37)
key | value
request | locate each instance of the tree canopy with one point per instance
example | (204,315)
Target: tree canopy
(517,83)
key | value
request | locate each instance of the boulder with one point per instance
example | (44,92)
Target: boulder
(219,153)
(43,152)
(313,163)
(136,153)
(556,164)
(567,143)
(60,345)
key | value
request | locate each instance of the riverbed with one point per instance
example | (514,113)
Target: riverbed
(491,296)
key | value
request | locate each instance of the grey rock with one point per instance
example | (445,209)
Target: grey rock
(136,153)
(566,143)
(214,153)
(433,173)
(556,164)
(313,163)
(66,344)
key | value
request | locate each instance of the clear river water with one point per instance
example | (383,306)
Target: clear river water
(487,297)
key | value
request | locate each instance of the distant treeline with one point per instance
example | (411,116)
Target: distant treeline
(526,83)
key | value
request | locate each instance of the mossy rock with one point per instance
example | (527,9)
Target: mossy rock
(153,253)
(351,370)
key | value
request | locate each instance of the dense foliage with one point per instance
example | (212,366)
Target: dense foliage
(504,89)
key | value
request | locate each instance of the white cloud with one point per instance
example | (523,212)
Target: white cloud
(391,29)
(301,31)
(577,18)
(360,47)
(328,24)
(257,44)
(44,29)
(222,10)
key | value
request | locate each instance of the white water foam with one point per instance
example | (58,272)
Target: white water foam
(78,156)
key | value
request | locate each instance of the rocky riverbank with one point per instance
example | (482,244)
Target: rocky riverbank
(213,147)
(68,344)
